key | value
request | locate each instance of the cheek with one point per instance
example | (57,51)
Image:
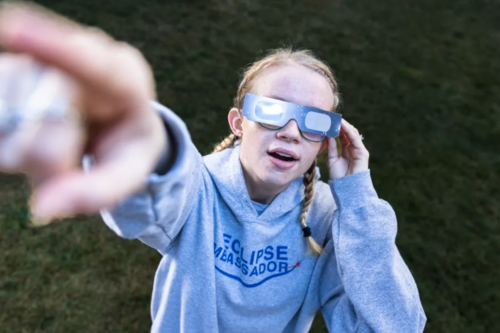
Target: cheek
(254,144)
(310,155)
(312,149)
(257,137)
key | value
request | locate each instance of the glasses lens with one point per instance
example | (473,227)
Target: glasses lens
(317,121)
(269,126)
(268,111)
(313,136)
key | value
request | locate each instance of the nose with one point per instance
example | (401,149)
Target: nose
(290,131)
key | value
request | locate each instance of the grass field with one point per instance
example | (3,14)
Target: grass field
(420,79)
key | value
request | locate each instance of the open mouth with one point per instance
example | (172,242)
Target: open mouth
(283,157)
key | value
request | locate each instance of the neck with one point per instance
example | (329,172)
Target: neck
(258,190)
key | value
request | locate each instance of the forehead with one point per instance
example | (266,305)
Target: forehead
(296,84)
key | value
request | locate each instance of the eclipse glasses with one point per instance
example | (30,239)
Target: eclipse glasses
(314,124)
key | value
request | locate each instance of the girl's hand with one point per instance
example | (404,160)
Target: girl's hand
(353,157)
(112,89)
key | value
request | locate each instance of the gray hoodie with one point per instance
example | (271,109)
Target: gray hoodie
(231,265)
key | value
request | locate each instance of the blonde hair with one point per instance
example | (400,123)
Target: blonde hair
(274,58)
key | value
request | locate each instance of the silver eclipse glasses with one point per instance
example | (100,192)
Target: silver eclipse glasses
(314,124)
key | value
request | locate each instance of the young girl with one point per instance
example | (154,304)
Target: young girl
(252,240)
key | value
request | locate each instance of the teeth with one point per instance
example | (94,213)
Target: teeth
(284,155)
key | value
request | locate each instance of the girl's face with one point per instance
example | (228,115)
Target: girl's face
(259,147)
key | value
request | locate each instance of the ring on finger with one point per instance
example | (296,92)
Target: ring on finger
(333,156)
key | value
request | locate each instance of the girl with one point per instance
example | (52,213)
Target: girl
(252,240)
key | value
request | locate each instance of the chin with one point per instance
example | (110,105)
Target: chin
(279,179)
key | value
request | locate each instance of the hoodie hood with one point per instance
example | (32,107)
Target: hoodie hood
(226,171)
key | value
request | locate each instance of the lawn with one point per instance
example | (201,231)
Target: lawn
(419,79)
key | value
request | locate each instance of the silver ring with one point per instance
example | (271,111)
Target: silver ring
(361,137)
(333,156)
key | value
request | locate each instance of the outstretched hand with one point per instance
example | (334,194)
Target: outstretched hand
(353,157)
(114,86)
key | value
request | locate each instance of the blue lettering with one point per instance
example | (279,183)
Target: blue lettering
(262,268)
(238,262)
(254,271)
(234,246)
(269,253)
(217,252)
(251,259)
(273,265)
(259,255)
(243,259)
(283,265)
(244,269)
(281,252)
(230,258)
(223,257)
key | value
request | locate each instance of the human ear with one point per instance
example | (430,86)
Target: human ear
(235,121)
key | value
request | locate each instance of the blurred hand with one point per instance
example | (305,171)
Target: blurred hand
(111,85)
(354,157)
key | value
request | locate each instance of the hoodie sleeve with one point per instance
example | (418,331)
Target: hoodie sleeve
(156,214)
(365,286)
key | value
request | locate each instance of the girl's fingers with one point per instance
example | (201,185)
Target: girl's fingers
(31,30)
(41,149)
(332,146)
(78,192)
(352,135)
(344,140)
(337,162)
(56,149)
(124,159)
(90,57)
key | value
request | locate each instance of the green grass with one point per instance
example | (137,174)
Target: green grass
(418,78)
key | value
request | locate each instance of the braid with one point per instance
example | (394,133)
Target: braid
(309,180)
(229,141)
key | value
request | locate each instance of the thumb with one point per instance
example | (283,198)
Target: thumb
(123,164)
(77,192)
